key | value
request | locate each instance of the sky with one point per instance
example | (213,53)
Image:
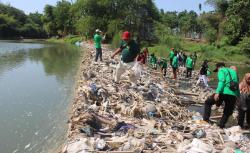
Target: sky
(29,6)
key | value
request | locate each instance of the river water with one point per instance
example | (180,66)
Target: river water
(36,85)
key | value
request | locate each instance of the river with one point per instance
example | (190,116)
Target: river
(36,86)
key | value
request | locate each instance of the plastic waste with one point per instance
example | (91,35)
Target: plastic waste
(199,133)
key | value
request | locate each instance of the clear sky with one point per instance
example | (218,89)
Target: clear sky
(168,5)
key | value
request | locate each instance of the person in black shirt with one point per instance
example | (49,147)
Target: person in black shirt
(203,73)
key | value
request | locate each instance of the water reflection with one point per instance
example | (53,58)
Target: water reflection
(35,86)
(57,60)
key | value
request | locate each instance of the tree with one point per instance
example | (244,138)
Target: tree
(63,17)
(48,20)
(238,20)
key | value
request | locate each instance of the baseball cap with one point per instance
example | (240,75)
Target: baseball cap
(126,35)
(218,65)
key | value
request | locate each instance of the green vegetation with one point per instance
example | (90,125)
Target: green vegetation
(15,24)
(67,39)
(223,34)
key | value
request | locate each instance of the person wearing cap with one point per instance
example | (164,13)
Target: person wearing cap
(98,39)
(129,51)
(224,93)
(189,66)
(203,73)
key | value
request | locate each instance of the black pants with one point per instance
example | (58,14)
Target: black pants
(164,71)
(241,117)
(229,101)
(189,72)
(171,61)
(98,54)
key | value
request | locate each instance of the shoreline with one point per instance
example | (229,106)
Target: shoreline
(171,105)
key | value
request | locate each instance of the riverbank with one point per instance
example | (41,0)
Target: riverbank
(228,54)
(153,117)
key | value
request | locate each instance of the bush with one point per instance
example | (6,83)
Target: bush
(245,45)
(224,41)
(116,40)
(211,35)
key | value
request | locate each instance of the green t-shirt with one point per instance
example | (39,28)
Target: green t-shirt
(189,63)
(171,55)
(97,40)
(175,62)
(129,51)
(153,59)
(224,81)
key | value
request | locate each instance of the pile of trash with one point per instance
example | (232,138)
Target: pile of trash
(111,117)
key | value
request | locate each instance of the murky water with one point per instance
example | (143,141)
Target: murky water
(36,82)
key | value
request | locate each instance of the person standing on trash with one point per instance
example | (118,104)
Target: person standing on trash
(244,102)
(129,51)
(194,57)
(171,56)
(164,66)
(226,92)
(98,40)
(153,61)
(189,67)
(203,74)
(175,65)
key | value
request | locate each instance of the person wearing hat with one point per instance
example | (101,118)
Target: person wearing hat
(129,51)
(98,40)
(226,92)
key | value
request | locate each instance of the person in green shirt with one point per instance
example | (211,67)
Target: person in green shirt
(224,92)
(189,66)
(129,52)
(175,65)
(153,61)
(171,56)
(98,40)
(164,66)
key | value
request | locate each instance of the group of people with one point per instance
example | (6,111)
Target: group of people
(228,91)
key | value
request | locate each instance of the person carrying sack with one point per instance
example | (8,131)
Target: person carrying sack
(225,92)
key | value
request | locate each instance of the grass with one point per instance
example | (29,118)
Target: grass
(205,51)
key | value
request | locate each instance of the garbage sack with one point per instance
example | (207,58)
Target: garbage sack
(196,146)
(79,145)
(199,133)
(235,134)
(100,144)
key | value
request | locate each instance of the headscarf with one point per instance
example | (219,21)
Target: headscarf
(245,84)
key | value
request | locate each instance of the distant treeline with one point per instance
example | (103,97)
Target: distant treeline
(228,24)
